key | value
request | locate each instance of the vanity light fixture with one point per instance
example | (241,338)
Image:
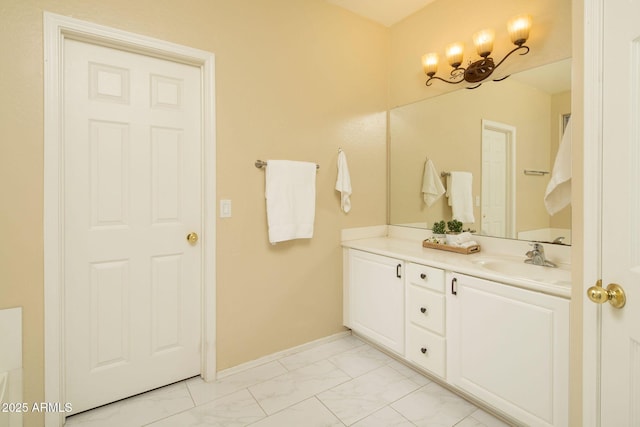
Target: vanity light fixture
(478,71)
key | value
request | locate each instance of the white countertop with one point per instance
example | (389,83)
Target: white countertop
(412,251)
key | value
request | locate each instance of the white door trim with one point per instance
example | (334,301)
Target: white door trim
(592,65)
(510,202)
(56,29)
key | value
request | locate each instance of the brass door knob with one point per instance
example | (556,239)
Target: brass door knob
(192,238)
(614,294)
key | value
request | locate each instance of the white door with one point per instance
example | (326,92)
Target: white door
(497,179)
(132,185)
(620,251)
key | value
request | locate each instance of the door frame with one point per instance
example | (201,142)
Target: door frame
(510,199)
(588,262)
(56,29)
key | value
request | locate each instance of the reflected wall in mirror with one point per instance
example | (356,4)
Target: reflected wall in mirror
(524,114)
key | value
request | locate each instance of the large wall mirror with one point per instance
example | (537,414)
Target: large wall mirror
(527,113)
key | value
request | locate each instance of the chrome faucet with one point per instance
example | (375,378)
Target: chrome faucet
(558,240)
(536,256)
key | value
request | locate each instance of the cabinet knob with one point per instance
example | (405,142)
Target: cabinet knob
(423,310)
(423,350)
(423,276)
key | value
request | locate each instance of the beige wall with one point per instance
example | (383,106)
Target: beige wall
(295,79)
(448,130)
(443,22)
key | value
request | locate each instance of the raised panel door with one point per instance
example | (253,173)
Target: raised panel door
(377,298)
(132,187)
(509,347)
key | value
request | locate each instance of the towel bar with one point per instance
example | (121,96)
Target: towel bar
(443,174)
(534,172)
(260,164)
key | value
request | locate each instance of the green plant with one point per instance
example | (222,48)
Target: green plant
(454,226)
(438,227)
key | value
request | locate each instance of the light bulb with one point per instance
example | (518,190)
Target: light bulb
(430,63)
(483,40)
(518,28)
(454,54)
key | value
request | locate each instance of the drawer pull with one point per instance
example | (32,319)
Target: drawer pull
(423,310)
(423,350)
(398,271)
(423,276)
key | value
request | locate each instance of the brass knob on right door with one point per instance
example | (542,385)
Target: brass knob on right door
(614,294)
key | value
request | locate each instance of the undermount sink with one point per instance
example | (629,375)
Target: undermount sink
(517,268)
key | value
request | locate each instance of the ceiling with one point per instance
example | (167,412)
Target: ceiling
(386,12)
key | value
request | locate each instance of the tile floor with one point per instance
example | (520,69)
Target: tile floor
(343,382)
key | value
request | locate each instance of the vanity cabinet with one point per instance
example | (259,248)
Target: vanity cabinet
(509,347)
(425,320)
(374,298)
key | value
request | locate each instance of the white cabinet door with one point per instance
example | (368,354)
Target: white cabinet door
(376,294)
(509,347)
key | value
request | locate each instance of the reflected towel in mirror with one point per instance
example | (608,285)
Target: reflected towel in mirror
(459,192)
(558,194)
(432,188)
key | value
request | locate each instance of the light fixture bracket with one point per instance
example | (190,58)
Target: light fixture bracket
(477,71)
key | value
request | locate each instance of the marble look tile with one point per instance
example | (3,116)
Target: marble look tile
(433,406)
(309,413)
(366,394)
(410,373)
(481,418)
(203,392)
(320,352)
(385,417)
(360,360)
(470,422)
(137,410)
(235,410)
(295,386)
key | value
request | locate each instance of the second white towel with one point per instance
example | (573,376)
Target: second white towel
(290,191)
(343,182)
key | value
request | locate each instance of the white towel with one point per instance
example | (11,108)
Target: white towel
(459,239)
(343,182)
(290,191)
(432,188)
(558,194)
(459,192)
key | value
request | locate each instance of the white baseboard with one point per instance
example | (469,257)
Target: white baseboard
(274,356)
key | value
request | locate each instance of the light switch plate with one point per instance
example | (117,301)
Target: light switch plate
(225,208)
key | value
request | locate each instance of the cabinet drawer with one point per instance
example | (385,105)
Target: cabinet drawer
(426,350)
(426,308)
(426,277)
